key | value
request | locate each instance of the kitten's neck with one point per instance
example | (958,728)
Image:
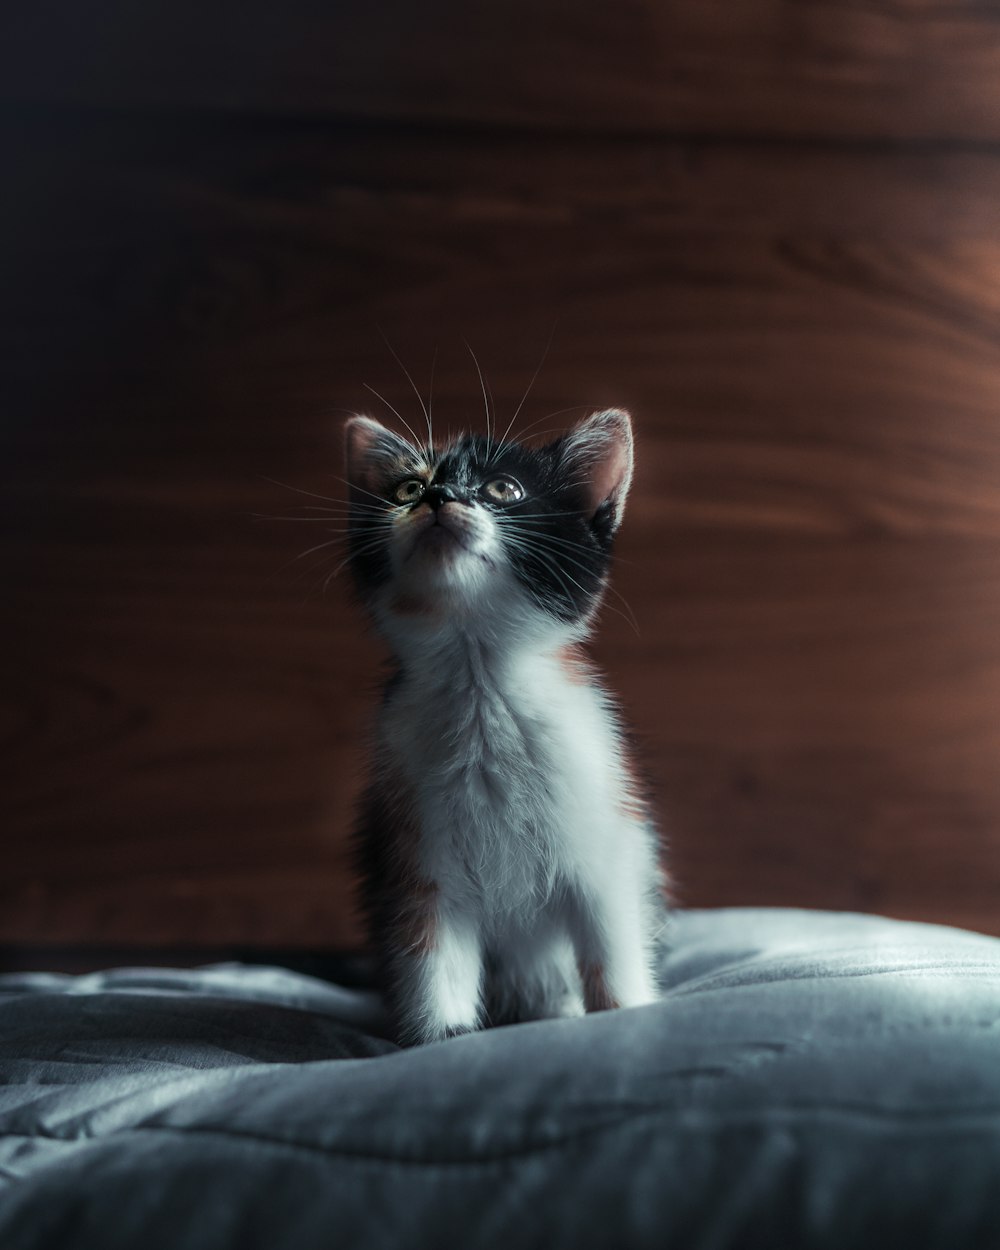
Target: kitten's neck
(479,654)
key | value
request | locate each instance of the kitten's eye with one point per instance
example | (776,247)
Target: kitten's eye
(409,491)
(503,490)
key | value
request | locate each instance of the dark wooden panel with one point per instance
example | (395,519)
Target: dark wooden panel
(810,340)
(828,67)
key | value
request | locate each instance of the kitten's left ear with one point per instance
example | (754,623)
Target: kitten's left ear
(597,454)
(373,454)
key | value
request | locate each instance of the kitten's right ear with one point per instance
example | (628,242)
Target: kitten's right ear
(374,455)
(598,454)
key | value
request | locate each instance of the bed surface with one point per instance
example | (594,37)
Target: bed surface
(808,1079)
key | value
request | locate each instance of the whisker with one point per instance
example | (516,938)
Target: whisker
(370,512)
(293,562)
(355,487)
(489,391)
(538,369)
(540,433)
(509,518)
(430,404)
(531,532)
(571,544)
(558,413)
(352,555)
(537,547)
(409,379)
(319,547)
(298,489)
(322,520)
(363,549)
(412,432)
(563,575)
(482,383)
(327,498)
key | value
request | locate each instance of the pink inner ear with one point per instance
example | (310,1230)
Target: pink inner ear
(601,446)
(609,474)
(362,436)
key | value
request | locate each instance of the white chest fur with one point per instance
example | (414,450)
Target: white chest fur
(515,764)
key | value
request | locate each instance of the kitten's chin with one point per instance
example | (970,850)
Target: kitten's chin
(440,576)
(442,561)
(445,566)
(437,544)
(440,545)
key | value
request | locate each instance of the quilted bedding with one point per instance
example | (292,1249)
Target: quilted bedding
(808,1079)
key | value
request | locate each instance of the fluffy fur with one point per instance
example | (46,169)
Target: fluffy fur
(509,867)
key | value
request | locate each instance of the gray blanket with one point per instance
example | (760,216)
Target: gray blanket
(808,1079)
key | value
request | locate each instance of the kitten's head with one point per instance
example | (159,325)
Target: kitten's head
(483,532)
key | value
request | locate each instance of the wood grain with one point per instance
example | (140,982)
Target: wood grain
(807,332)
(829,68)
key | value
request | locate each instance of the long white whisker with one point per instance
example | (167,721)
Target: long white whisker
(353,555)
(298,489)
(493,406)
(430,404)
(538,369)
(371,545)
(563,575)
(510,518)
(295,559)
(534,543)
(322,520)
(571,545)
(558,413)
(482,383)
(327,498)
(354,486)
(320,547)
(409,379)
(331,514)
(412,431)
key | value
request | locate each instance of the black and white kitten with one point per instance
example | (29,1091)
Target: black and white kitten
(510,870)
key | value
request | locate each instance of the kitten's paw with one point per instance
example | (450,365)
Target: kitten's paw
(638,998)
(458,1030)
(570,1007)
(425,1032)
(444,1032)
(564,1007)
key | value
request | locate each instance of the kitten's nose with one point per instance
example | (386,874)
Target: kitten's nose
(440,493)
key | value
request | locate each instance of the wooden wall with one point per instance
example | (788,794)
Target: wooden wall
(771,229)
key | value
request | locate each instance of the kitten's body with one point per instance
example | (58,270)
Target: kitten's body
(510,871)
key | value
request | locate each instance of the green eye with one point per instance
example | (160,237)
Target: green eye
(409,491)
(503,490)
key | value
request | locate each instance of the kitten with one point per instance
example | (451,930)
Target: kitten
(510,870)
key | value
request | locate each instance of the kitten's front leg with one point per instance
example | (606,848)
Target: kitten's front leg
(614,954)
(438,981)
